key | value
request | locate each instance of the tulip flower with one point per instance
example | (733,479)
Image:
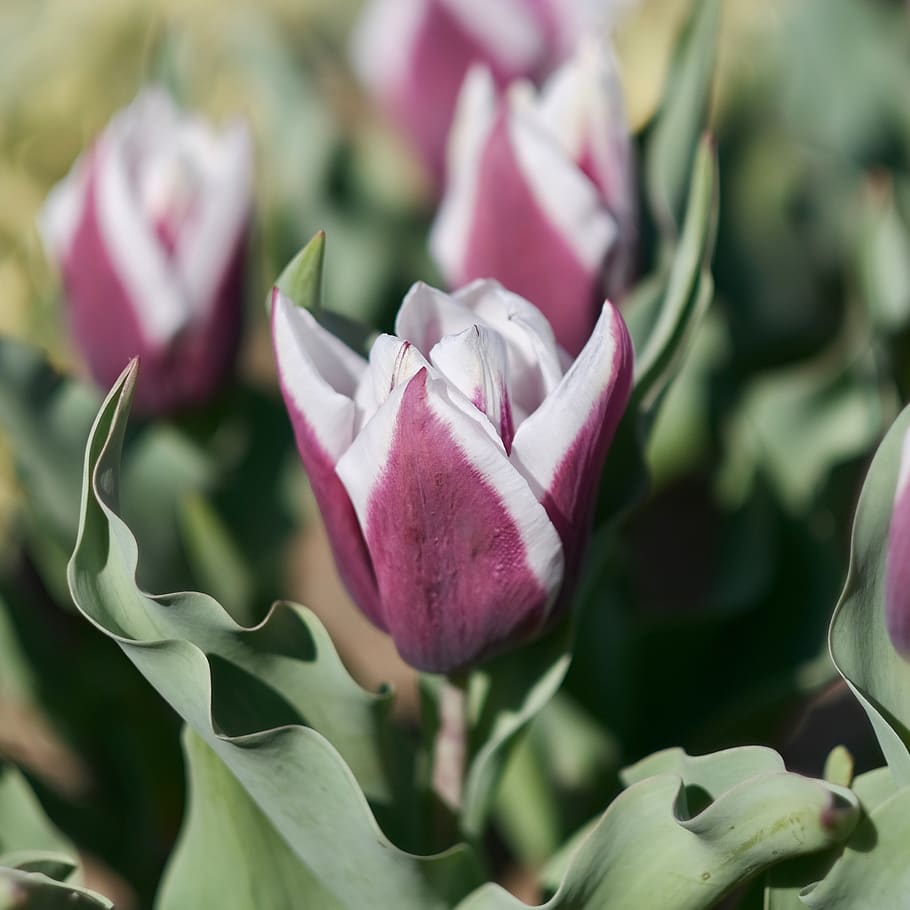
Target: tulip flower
(149,231)
(456,469)
(540,192)
(897,572)
(414,54)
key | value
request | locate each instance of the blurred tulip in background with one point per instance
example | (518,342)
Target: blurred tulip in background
(541,193)
(414,54)
(456,469)
(149,231)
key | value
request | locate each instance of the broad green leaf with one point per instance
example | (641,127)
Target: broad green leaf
(274,702)
(229,854)
(873,870)
(670,842)
(787,882)
(858,639)
(714,773)
(683,116)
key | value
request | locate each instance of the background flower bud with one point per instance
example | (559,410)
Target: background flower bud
(456,469)
(149,231)
(541,192)
(414,54)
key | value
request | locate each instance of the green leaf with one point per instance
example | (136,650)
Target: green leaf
(24,828)
(273,702)
(504,696)
(858,639)
(36,860)
(663,320)
(787,882)
(685,836)
(799,424)
(229,854)
(47,417)
(682,117)
(35,891)
(214,557)
(301,282)
(873,870)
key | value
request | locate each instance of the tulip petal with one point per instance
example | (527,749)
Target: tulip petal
(392,362)
(534,369)
(415,54)
(466,560)
(318,375)
(474,361)
(560,449)
(897,574)
(105,323)
(545,206)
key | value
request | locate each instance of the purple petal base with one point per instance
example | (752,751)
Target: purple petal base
(449,559)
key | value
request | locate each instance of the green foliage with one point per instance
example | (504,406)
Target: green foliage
(36,861)
(688,830)
(859,642)
(274,702)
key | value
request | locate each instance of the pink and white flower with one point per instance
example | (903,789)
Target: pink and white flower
(149,230)
(456,469)
(414,54)
(541,191)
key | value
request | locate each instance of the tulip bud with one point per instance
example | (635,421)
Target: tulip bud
(414,54)
(456,469)
(540,192)
(149,231)
(897,573)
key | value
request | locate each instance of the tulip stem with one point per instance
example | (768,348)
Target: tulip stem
(451,741)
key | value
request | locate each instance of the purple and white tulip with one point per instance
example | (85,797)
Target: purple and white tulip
(897,572)
(456,469)
(414,54)
(541,191)
(149,230)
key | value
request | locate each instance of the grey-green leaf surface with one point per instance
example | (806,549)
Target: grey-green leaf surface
(36,860)
(858,638)
(229,854)
(682,116)
(788,882)
(669,842)
(273,702)
(24,828)
(873,870)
